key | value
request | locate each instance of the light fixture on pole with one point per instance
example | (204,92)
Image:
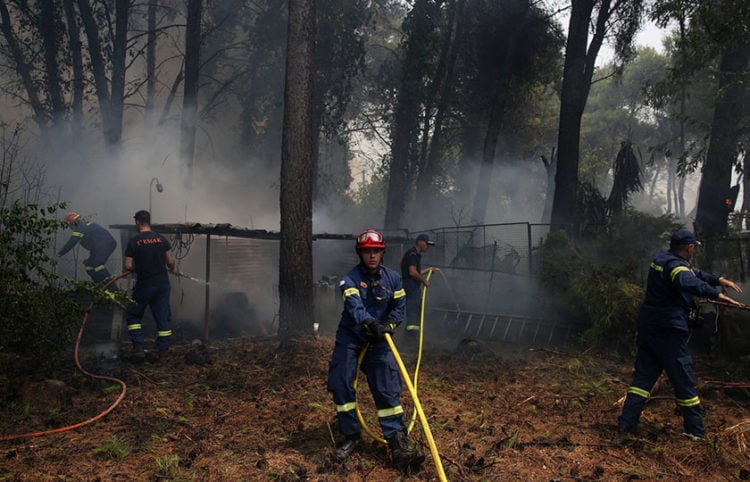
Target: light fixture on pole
(159,188)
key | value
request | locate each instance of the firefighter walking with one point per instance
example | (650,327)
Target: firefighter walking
(663,332)
(373,306)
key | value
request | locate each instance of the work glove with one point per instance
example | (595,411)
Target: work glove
(375,330)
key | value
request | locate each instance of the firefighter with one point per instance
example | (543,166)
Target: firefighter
(95,239)
(373,306)
(663,332)
(414,278)
(149,255)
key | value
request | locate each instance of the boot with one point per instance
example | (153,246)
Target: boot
(345,448)
(137,354)
(405,455)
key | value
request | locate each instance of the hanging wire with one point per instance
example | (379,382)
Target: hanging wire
(181,244)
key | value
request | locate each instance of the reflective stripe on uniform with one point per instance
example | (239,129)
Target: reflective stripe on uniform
(135,326)
(164,333)
(638,391)
(389,412)
(77,234)
(346,407)
(399,294)
(350,292)
(412,327)
(656,266)
(677,271)
(690,402)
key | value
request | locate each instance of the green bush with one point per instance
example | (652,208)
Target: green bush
(600,282)
(40,310)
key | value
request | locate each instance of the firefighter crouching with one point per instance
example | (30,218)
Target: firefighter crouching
(373,306)
(96,240)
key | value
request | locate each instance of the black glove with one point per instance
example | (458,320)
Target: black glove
(375,330)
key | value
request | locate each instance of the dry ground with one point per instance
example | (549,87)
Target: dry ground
(242,409)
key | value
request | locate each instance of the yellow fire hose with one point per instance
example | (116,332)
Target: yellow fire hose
(419,350)
(418,406)
(412,391)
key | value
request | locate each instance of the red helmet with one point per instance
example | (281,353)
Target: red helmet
(370,239)
(72,216)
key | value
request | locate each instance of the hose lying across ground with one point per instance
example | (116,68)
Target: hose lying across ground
(123,388)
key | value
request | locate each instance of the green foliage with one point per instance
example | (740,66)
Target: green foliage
(114,448)
(39,309)
(600,282)
(167,464)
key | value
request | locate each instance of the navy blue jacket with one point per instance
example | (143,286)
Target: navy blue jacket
(90,235)
(670,289)
(380,297)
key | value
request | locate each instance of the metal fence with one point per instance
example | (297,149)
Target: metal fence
(486,272)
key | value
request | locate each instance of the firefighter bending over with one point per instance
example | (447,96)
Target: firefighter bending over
(663,332)
(96,240)
(373,306)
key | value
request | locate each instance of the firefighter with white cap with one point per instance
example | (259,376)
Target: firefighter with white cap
(373,306)
(96,240)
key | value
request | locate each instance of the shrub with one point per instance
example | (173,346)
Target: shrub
(40,310)
(600,282)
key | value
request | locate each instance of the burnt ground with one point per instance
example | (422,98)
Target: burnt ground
(242,409)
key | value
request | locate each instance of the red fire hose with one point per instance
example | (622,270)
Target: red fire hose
(92,375)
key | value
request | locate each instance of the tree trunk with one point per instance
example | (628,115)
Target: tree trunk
(577,73)
(295,255)
(48,32)
(405,129)
(502,85)
(429,166)
(745,191)
(550,166)
(150,62)
(76,54)
(190,97)
(117,96)
(23,68)
(101,84)
(712,212)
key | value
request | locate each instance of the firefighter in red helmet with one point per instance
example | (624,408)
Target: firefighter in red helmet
(373,306)
(96,240)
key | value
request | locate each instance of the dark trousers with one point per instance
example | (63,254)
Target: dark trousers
(157,298)
(96,262)
(384,381)
(663,350)
(413,307)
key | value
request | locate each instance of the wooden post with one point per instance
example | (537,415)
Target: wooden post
(207,304)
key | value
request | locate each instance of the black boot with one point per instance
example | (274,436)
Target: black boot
(345,448)
(137,354)
(405,455)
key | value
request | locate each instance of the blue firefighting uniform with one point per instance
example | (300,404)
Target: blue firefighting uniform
(413,288)
(663,338)
(100,244)
(380,297)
